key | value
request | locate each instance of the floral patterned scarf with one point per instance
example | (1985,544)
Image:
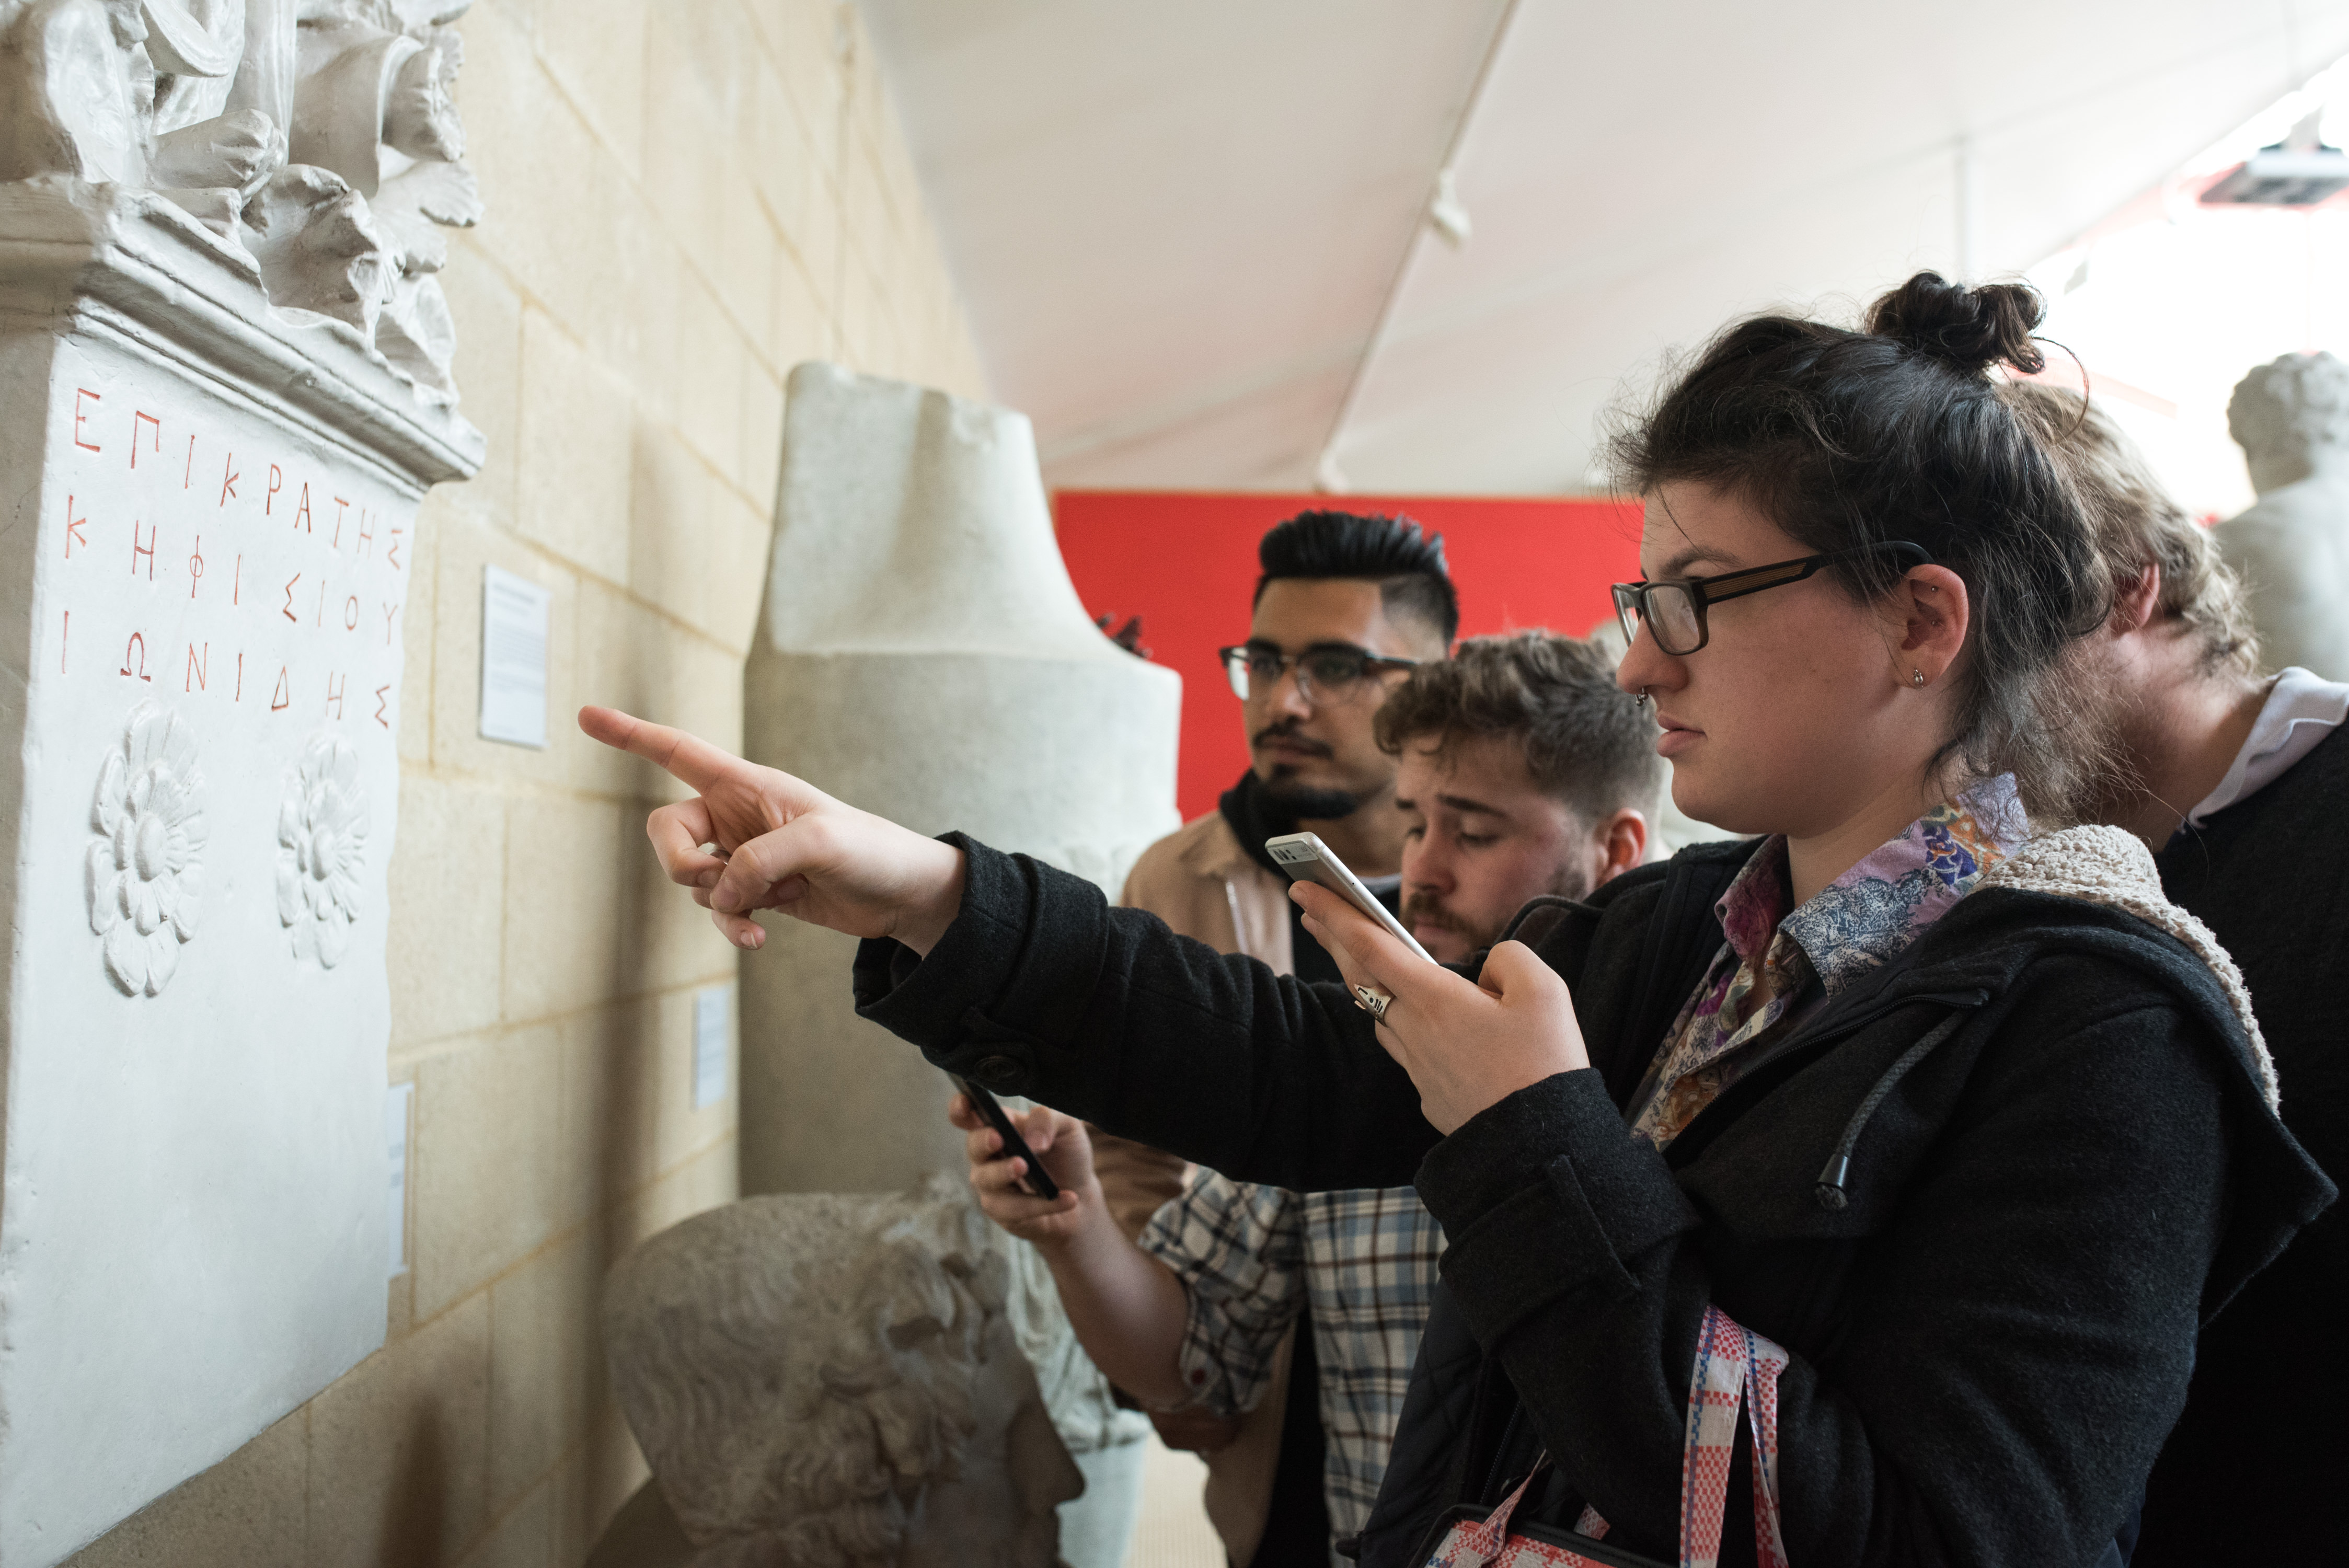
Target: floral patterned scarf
(1860,920)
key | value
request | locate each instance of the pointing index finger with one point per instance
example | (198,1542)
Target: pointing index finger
(693,761)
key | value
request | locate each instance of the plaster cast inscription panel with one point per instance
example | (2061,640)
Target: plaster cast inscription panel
(209,603)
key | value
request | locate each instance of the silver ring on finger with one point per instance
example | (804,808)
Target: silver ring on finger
(1373,1001)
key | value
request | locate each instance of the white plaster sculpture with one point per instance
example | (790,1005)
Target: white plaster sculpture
(322,834)
(210,458)
(2291,547)
(922,652)
(316,138)
(841,1381)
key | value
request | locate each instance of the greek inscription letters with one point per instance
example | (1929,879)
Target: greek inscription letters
(335,695)
(147,550)
(73,529)
(289,599)
(228,475)
(276,483)
(197,667)
(134,658)
(196,566)
(80,416)
(137,418)
(283,698)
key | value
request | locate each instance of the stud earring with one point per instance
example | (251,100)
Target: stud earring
(1915,677)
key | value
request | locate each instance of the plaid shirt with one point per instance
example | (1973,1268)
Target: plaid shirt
(1362,1263)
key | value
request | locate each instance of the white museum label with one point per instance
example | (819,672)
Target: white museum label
(514,613)
(708,1046)
(394,1126)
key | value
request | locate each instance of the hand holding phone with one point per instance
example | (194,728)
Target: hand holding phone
(1035,1182)
(1307,858)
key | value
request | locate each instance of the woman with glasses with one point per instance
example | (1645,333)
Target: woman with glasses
(1924,1132)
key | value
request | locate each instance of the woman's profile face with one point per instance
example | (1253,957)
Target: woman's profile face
(1792,717)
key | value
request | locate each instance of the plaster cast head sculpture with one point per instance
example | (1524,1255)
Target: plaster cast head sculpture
(2291,547)
(828,1381)
(2291,417)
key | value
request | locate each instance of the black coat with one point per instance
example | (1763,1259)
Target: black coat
(2253,1472)
(1989,1338)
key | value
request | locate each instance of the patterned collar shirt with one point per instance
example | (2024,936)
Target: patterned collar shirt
(1779,964)
(1360,1265)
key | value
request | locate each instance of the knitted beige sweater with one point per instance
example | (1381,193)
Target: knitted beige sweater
(2109,866)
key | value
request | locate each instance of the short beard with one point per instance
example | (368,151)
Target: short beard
(1307,804)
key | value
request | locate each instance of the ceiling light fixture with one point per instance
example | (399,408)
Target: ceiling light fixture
(1446,215)
(2298,172)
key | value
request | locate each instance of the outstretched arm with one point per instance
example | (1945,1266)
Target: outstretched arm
(782,843)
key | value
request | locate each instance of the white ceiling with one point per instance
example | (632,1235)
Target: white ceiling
(1190,237)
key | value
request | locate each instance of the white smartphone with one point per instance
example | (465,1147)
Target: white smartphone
(1307,858)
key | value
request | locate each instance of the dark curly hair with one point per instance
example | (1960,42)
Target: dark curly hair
(1899,431)
(1588,743)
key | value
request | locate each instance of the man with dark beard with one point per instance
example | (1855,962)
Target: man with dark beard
(1526,772)
(1346,607)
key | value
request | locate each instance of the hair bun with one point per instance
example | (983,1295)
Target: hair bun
(1971,329)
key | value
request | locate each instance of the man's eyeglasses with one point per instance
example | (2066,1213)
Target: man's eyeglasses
(1674,607)
(1327,671)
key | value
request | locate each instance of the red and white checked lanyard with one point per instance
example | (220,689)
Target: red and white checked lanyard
(1730,1360)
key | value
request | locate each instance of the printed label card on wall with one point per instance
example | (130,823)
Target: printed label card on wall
(515,615)
(206,558)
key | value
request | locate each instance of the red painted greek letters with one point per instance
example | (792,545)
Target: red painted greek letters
(134,658)
(147,550)
(283,698)
(80,415)
(382,704)
(335,695)
(276,483)
(73,529)
(137,418)
(228,475)
(196,667)
(196,566)
(289,597)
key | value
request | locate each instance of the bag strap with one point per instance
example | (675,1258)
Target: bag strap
(1737,1372)
(1731,1359)
(1732,1363)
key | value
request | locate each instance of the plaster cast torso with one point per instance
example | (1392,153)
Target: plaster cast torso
(2292,550)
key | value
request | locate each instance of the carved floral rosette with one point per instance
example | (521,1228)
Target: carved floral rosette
(322,835)
(145,869)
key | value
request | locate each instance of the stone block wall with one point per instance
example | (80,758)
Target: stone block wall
(686,198)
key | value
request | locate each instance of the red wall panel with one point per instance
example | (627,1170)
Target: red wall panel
(1186,563)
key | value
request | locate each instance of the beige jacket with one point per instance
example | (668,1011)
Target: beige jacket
(1201,884)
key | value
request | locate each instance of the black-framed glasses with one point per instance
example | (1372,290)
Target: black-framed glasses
(1326,671)
(1674,607)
